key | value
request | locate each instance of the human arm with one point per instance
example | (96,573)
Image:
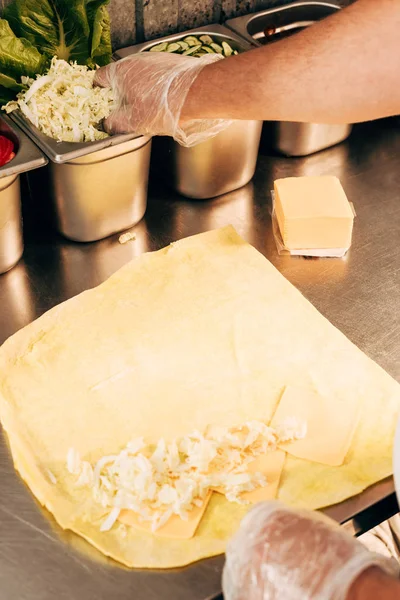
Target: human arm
(343,69)
(283,553)
(373,584)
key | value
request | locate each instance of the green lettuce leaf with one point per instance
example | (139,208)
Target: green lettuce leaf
(17,57)
(100,27)
(74,30)
(33,31)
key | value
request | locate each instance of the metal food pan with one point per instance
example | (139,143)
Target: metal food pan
(281,21)
(291,139)
(103,192)
(219,165)
(61,152)
(97,188)
(27,157)
(219,31)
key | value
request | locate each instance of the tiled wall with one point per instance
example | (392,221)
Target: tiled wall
(138,20)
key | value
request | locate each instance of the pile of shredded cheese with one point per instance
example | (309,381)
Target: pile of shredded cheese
(172,478)
(63,104)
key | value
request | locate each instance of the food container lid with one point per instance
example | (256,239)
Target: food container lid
(61,152)
(27,155)
(214,30)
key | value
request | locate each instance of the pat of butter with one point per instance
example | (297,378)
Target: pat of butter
(313,212)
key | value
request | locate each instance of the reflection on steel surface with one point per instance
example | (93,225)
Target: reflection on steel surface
(96,262)
(17,305)
(235,208)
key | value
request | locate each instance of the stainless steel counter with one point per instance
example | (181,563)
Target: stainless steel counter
(359,294)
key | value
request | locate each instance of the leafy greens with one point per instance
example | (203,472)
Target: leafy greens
(32,32)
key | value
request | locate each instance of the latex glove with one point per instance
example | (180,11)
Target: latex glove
(286,554)
(150,89)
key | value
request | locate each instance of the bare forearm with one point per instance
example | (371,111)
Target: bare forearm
(344,69)
(374,584)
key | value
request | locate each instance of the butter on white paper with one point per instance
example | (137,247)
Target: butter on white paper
(312,252)
(312,216)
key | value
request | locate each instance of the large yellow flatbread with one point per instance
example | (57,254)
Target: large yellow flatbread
(204,332)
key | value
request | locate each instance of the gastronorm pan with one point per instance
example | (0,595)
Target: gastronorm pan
(27,157)
(97,188)
(271,25)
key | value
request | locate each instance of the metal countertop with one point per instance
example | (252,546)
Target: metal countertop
(358,294)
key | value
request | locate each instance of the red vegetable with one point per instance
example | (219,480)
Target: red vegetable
(6,150)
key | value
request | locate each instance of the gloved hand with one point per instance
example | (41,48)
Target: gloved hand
(280,553)
(150,89)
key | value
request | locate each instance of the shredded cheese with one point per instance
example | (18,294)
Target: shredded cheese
(129,236)
(63,104)
(51,476)
(171,478)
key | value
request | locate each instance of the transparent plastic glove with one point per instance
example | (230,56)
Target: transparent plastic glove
(285,554)
(150,90)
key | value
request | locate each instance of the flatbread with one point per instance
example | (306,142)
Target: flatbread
(329,430)
(204,332)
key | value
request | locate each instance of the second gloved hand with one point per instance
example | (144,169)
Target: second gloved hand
(284,554)
(150,91)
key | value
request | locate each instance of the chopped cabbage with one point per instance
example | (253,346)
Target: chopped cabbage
(63,103)
(172,478)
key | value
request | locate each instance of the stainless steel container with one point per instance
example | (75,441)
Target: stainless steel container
(291,139)
(221,164)
(97,188)
(103,192)
(27,157)
(11,241)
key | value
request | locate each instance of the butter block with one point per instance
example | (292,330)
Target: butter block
(313,212)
